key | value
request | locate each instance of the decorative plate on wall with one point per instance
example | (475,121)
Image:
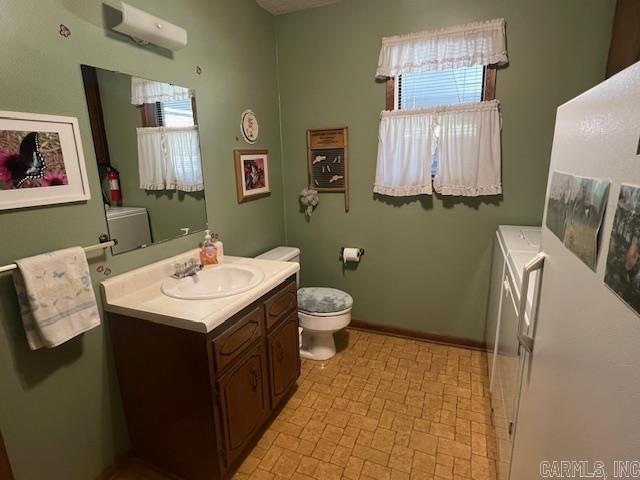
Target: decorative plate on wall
(249,126)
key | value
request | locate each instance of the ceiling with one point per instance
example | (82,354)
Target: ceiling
(279,7)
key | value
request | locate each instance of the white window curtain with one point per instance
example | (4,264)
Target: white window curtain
(469,150)
(149,91)
(405,153)
(169,159)
(465,138)
(479,43)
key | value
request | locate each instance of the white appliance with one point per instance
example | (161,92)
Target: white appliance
(514,247)
(579,398)
(130,226)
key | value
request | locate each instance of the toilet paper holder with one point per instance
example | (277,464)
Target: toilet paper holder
(361,250)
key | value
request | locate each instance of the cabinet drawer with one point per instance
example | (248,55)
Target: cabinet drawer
(281,304)
(232,342)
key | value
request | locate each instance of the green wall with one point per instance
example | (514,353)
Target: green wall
(169,210)
(426,265)
(60,411)
(427,260)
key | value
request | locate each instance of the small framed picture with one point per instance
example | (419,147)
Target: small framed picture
(41,161)
(252,174)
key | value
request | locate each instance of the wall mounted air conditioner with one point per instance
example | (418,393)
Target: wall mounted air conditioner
(146,28)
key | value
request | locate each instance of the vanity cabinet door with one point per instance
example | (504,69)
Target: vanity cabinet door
(244,402)
(284,358)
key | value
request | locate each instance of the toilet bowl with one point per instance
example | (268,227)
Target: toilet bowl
(321,311)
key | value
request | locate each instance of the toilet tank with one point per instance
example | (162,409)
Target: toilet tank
(282,254)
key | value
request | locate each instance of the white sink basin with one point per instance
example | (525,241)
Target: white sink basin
(214,282)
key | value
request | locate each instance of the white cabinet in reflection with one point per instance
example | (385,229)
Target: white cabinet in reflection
(130,226)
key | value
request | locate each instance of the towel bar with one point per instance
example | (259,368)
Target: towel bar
(91,248)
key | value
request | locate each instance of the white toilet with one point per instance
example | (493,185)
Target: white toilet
(321,311)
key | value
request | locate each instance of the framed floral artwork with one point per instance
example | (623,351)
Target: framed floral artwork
(41,161)
(252,174)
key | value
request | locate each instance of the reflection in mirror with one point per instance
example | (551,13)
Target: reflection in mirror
(147,147)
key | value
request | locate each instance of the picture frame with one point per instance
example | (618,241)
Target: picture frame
(252,174)
(328,161)
(41,161)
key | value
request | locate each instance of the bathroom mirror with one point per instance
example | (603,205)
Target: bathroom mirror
(147,147)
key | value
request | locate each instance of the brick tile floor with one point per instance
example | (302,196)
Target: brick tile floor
(383,408)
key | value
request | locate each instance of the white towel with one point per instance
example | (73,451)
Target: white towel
(56,297)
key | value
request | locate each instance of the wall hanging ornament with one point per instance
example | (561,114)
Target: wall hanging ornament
(328,161)
(64,31)
(309,200)
(249,126)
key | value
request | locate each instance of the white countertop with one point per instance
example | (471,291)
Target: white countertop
(137,294)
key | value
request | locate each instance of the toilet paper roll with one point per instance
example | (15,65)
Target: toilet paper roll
(350,254)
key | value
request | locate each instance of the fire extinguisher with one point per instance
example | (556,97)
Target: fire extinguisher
(114,186)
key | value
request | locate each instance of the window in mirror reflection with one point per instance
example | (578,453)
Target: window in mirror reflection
(168,143)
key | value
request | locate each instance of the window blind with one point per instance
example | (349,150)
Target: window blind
(174,113)
(442,87)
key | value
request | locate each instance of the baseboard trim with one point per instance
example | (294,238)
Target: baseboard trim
(119,462)
(418,335)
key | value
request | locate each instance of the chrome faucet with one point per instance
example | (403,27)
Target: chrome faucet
(186,269)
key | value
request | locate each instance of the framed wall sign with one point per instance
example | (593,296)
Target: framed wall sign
(41,160)
(252,174)
(328,159)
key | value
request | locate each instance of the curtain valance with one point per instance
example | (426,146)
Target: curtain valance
(169,159)
(149,91)
(478,43)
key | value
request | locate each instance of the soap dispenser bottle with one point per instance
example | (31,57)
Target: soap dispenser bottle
(208,252)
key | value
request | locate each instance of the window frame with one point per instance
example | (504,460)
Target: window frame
(488,92)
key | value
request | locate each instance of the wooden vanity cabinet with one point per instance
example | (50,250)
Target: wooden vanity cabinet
(197,403)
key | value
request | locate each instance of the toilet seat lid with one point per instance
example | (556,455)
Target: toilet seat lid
(323,300)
